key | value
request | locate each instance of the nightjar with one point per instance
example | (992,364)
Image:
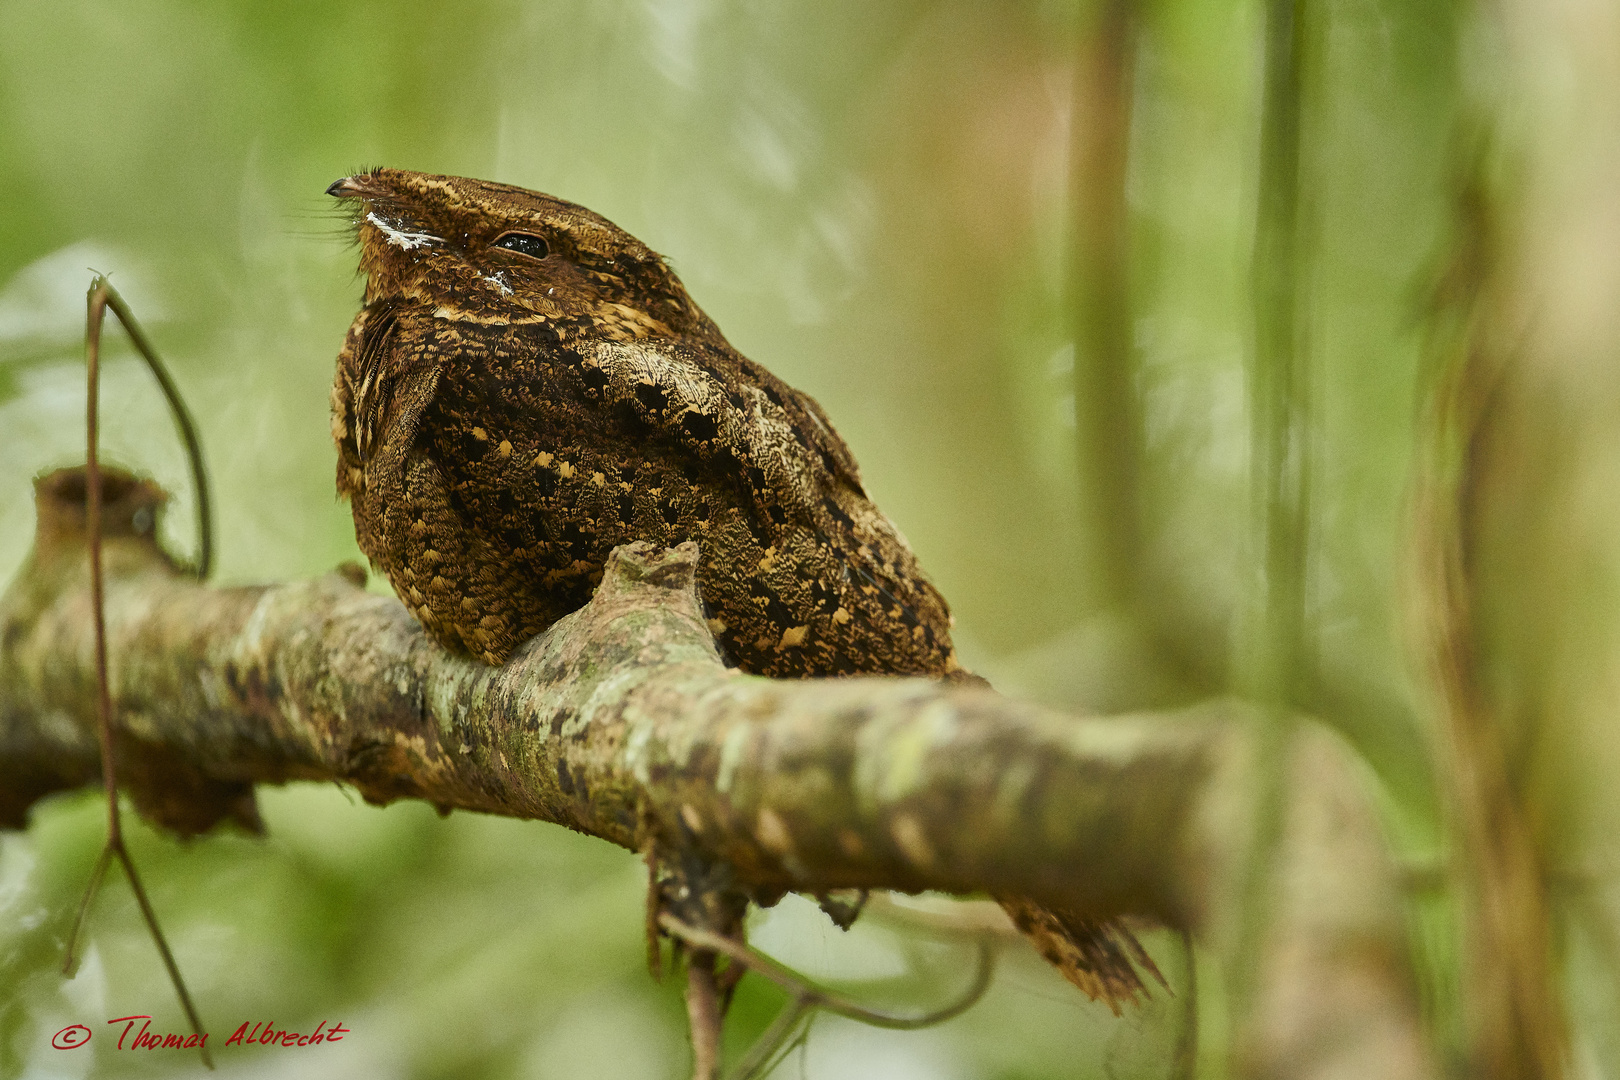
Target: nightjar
(528,386)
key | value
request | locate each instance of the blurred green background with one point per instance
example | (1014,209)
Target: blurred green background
(876,202)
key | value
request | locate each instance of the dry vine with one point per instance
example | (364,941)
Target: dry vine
(101,297)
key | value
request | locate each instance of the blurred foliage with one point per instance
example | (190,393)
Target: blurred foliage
(874,200)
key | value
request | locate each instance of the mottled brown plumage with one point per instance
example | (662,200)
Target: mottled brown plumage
(529,386)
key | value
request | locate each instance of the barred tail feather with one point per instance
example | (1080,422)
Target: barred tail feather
(1101,957)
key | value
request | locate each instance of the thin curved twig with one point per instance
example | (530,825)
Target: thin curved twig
(70,956)
(971,919)
(827,999)
(773,1046)
(97,302)
(182,421)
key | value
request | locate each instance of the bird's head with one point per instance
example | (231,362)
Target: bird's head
(491,253)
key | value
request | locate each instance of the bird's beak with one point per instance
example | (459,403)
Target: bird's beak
(346,188)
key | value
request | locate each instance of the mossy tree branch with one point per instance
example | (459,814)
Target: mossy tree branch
(622,722)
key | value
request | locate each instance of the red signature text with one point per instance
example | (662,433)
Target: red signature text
(146,1040)
(268,1035)
(260,1034)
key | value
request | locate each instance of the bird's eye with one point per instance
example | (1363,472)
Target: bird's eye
(523,243)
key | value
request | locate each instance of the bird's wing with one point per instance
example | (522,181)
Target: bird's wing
(719,405)
(732,413)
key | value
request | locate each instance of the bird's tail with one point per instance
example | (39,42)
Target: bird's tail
(1101,957)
